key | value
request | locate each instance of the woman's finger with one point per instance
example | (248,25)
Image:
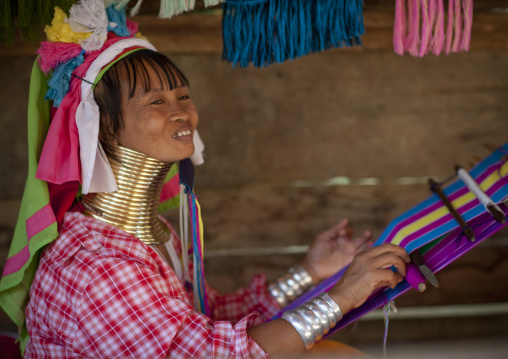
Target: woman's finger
(388,260)
(387,248)
(388,278)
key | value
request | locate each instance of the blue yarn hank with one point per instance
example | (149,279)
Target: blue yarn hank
(263,32)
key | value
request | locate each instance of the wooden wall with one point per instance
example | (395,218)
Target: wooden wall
(293,148)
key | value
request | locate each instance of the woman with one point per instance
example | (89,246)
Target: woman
(116,283)
(99,291)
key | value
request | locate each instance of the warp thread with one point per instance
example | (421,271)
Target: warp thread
(386,311)
(263,32)
(419,26)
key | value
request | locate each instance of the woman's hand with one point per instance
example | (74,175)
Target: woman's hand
(332,250)
(369,271)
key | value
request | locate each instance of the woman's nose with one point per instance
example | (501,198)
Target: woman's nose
(178,113)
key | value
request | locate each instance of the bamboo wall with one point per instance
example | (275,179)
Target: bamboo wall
(293,148)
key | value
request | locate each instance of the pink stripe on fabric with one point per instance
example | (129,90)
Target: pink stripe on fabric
(14,263)
(41,220)
(170,189)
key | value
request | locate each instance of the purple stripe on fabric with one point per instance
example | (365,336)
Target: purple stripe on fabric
(41,220)
(38,222)
(449,249)
(14,263)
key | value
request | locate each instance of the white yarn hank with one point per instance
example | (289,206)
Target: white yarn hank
(170,8)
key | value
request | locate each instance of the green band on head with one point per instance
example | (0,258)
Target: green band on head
(108,66)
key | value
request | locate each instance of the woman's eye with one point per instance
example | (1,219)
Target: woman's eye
(184,97)
(156,102)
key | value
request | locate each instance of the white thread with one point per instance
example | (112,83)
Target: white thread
(474,187)
(386,310)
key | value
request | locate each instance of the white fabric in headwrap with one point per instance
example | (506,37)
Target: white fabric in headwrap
(197,157)
(90,16)
(96,173)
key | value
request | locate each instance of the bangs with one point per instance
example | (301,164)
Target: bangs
(138,64)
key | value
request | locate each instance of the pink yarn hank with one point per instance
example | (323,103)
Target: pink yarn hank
(432,17)
(467,7)
(413,38)
(399,27)
(438,39)
(449,27)
(132,27)
(52,54)
(457,27)
(426,29)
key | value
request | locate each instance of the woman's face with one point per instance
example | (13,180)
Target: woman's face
(159,123)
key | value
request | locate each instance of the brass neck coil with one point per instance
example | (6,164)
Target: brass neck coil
(134,207)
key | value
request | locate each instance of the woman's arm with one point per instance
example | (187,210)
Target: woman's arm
(369,271)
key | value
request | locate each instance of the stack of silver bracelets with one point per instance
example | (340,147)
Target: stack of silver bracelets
(291,286)
(314,318)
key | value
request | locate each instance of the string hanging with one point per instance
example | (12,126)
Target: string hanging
(386,311)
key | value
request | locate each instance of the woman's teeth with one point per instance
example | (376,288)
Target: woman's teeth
(183,133)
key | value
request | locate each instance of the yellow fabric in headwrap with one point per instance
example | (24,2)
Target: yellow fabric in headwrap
(60,31)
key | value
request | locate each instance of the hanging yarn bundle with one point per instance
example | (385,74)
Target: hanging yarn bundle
(263,32)
(27,16)
(170,8)
(419,26)
(192,209)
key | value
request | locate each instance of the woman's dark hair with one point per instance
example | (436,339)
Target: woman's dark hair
(135,66)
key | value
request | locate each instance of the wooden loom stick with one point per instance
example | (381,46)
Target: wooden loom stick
(485,200)
(468,231)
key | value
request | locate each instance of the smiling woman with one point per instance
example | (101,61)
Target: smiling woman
(110,278)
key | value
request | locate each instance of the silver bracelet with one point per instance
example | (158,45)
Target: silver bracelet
(333,305)
(302,327)
(314,319)
(288,287)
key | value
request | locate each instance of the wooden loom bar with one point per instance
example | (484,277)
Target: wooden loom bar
(468,231)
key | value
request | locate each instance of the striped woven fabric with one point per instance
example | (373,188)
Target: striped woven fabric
(431,228)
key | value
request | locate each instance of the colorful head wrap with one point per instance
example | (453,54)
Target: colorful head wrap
(64,151)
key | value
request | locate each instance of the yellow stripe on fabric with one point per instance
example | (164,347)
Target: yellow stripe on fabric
(504,169)
(443,211)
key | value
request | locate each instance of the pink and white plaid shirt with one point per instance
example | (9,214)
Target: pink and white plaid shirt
(99,292)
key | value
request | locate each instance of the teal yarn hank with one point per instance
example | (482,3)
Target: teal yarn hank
(263,32)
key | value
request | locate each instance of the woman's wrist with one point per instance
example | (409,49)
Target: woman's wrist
(314,319)
(287,288)
(312,273)
(342,300)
